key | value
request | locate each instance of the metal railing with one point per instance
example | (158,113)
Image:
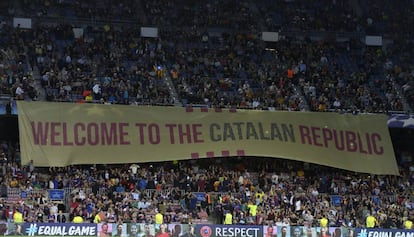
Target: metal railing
(16,194)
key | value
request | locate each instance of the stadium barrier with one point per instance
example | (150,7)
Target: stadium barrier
(191,230)
(64,195)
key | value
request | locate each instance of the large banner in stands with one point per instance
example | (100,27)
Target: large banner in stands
(61,134)
(59,229)
(376,232)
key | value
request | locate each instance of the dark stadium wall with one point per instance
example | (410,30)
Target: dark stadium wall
(9,129)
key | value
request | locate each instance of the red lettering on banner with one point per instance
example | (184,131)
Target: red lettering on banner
(93,128)
(187,133)
(350,141)
(123,134)
(109,135)
(375,139)
(40,133)
(360,144)
(316,136)
(141,132)
(197,133)
(342,140)
(327,136)
(184,133)
(79,141)
(65,136)
(80,134)
(54,133)
(171,127)
(305,135)
(153,133)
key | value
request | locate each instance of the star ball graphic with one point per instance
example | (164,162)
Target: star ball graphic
(401,121)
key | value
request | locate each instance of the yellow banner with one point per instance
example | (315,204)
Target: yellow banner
(61,134)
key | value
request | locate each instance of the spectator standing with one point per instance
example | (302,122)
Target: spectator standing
(323,222)
(96,91)
(228,218)
(60,218)
(18,216)
(371,221)
(159,218)
(19,92)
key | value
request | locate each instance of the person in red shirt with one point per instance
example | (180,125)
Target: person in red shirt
(163,231)
(324,232)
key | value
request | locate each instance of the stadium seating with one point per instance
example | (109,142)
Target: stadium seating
(211,54)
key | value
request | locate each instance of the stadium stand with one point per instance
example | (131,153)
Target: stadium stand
(209,53)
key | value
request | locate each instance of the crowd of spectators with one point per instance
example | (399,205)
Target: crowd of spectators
(212,53)
(97,67)
(269,192)
(234,15)
(327,15)
(230,70)
(123,10)
(392,20)
(15,76)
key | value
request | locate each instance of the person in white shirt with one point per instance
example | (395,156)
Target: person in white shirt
(96,91)
(19,92)
(134,168)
